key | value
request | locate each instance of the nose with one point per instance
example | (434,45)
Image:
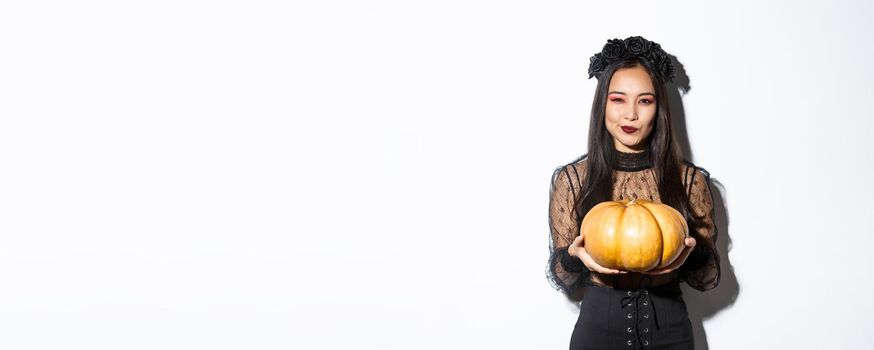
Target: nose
(632,115)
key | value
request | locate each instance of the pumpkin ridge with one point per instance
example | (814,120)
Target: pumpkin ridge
(672,245)
(620,229)
(660,234)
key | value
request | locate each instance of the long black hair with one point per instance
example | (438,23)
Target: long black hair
(667,158)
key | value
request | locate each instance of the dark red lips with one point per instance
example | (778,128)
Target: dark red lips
(629,129)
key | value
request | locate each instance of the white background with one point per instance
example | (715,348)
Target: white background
(374,174)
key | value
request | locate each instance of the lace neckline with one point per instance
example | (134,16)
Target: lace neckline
(627,161)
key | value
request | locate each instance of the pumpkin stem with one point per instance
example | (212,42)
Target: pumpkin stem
(632,202)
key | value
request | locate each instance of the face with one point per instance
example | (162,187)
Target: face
(631,108)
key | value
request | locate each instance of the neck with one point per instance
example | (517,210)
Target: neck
(633,161)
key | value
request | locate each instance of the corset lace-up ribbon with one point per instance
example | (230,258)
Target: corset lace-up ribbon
(640,310)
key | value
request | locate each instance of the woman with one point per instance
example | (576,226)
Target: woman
(632,153)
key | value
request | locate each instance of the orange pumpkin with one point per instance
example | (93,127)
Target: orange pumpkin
(637,235)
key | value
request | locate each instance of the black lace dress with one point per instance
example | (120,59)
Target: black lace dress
(649,313)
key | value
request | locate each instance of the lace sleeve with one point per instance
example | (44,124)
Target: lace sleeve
(564,272)
(701,269)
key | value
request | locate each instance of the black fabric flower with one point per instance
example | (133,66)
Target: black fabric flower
(667,69)
(613,49)
(635,46)
(597,63)
(656,55)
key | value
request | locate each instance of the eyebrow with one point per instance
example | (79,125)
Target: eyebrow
(622,93)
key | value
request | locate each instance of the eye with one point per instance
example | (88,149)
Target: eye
(646,101)
(616,99)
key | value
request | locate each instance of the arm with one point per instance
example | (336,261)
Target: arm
(701,269)
(565,272)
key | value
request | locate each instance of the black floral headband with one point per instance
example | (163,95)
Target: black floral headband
(634,46)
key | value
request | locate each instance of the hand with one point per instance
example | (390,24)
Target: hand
(690,244)
(577,249)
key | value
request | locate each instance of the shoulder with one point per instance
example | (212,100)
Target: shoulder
(576,167)
(696,180)
(571,173)
(694,173)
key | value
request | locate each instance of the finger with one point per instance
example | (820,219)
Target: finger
(588,261)
(675,264)
(574,247)
(679,261)
(691,242)
(663,270)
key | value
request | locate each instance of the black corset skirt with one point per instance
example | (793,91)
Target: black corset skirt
(645,318)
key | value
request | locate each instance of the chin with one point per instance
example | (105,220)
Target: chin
(631,144)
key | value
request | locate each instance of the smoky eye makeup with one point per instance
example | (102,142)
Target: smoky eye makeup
(644,100)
